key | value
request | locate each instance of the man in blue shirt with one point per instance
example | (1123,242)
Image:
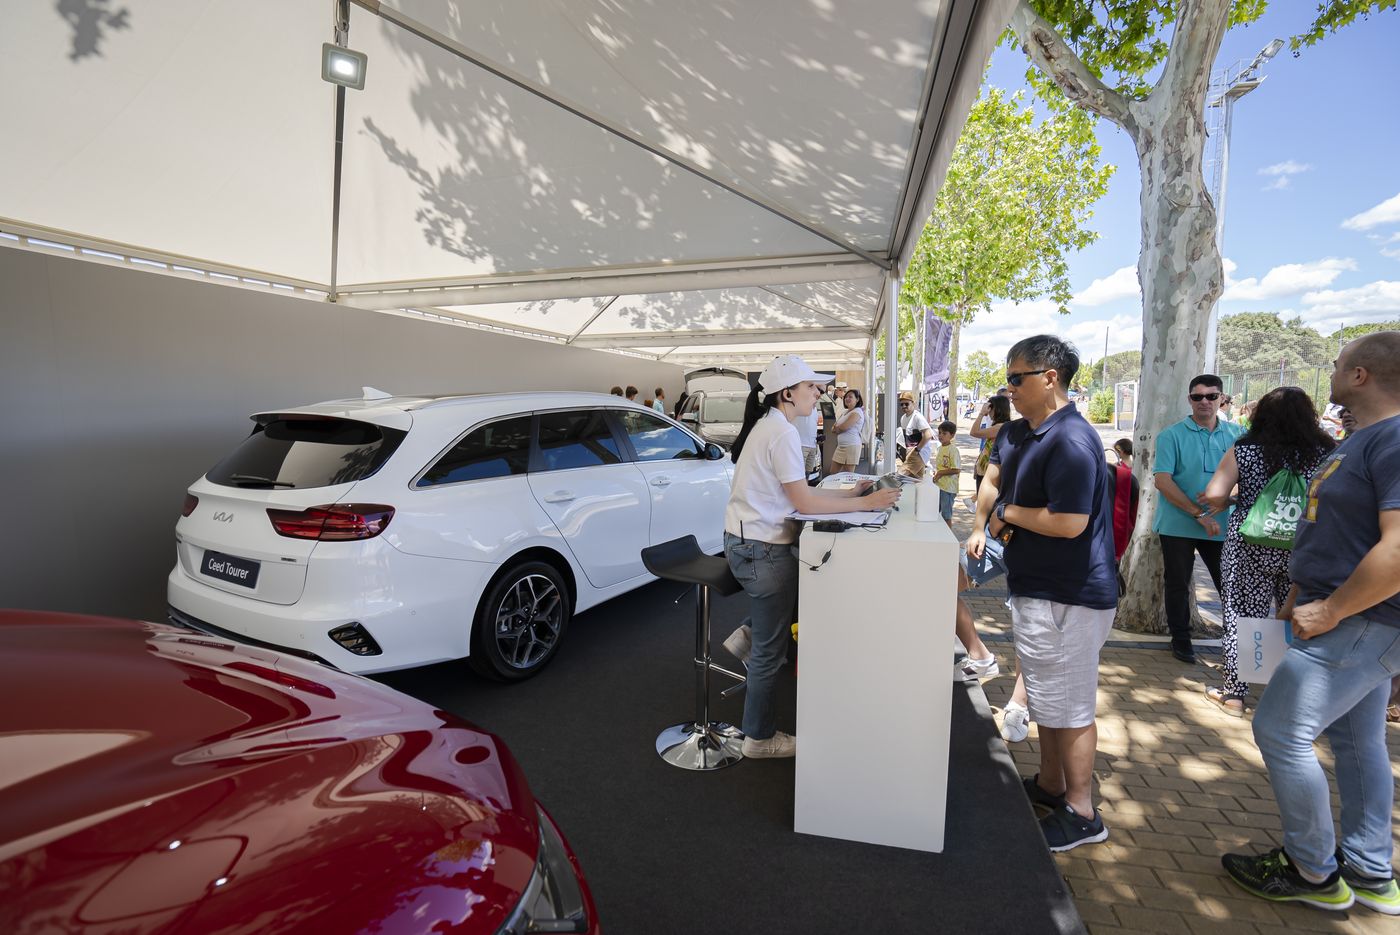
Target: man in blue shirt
(1045,494)
(1188,453)
(1335,677)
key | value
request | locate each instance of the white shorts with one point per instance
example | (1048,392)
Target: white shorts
(846,454)
(1057,647)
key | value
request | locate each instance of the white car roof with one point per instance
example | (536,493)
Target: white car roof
(398,411)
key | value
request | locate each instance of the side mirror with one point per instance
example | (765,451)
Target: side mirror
(714,452)
(688,418)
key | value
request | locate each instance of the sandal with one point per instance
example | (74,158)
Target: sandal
(1226,701)
(1392,713)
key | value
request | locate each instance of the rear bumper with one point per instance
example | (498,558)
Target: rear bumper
(420,611)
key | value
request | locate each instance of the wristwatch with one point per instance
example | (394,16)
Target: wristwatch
(1001,511)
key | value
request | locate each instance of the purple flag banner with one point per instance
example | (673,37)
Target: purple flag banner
(938,339)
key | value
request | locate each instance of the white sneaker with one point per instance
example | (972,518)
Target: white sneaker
(970,503)
(1015,723)
(971,670)
(779,745)
(740,643)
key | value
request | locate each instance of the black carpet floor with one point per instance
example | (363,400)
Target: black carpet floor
(668,850)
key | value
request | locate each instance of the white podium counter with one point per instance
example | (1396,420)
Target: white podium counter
(875,681)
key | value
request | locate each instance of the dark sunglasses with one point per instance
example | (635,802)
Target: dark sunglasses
(1202,397)
(1015,378)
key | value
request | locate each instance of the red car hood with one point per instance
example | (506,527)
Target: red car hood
(159,780)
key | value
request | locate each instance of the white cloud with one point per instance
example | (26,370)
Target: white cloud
(1285,280)
(1282,172)
(1006,323)
(1392,252)
(1329,309)
(1122,283)
(1287,167)
(1387,212)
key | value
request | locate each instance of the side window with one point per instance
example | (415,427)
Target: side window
(655,440)
(498,449)
(575,439)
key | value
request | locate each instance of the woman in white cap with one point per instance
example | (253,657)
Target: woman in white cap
(761,542)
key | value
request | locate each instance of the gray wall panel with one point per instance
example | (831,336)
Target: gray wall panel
(119,387)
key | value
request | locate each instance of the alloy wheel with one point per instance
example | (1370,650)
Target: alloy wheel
(528,621)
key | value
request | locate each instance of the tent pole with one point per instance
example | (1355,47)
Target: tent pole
(891,366)
(342,35)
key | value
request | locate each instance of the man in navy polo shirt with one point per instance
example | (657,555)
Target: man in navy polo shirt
(1046,495)
(1188,452)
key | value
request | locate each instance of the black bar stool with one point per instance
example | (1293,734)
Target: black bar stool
(700,744)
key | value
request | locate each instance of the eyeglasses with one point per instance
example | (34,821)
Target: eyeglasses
(1015,378)
(1202,397)
(905,402)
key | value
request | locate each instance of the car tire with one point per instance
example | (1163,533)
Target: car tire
(520,622)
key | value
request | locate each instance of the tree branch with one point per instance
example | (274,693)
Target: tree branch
(1057,60)
(1200,28)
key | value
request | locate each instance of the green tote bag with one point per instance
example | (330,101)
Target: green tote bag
(1273,519)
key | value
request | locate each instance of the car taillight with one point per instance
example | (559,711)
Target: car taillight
(332,522)
(191,501)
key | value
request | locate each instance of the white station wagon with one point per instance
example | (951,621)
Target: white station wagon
(387,532)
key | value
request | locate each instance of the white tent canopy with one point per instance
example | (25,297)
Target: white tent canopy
(704,181)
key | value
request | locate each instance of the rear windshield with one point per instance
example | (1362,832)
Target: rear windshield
(722,409)
(300,453)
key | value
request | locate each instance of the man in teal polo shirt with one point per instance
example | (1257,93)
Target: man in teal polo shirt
(1188,453)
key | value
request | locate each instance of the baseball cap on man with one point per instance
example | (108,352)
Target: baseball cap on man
(905,395)
(789,370)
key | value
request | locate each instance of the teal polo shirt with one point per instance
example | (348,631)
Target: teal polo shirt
(1190,454)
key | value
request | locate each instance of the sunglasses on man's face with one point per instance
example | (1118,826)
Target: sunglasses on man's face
(1015,378)
(1202,397)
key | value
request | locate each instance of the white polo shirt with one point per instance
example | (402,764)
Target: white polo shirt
(758,504)
(807,429)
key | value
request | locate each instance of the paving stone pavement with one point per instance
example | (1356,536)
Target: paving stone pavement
(1179,783)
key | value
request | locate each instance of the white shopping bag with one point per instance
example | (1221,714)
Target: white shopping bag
(1260,643)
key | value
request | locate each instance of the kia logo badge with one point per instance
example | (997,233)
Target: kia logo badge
(222,517)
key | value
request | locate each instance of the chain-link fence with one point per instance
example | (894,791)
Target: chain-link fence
(1248,385)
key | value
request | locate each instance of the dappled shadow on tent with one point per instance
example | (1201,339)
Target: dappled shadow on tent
(89,20)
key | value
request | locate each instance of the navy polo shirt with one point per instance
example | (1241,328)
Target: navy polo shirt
(1059,465)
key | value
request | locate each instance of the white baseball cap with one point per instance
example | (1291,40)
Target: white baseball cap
(789,370)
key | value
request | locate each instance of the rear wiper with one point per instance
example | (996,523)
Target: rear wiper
(254,479)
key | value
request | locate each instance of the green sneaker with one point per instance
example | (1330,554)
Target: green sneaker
(1272,876)
(1378,893)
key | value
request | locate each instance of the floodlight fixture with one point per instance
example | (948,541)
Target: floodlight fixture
(343,66)
(1272,49)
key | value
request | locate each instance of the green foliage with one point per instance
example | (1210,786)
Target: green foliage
(1123,41)
(1015,202)
(979,368)
(1101,406)
(1352,332)
(1332,15)
(1122,367)
(1254,342)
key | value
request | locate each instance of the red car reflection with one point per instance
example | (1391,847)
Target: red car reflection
(158,780)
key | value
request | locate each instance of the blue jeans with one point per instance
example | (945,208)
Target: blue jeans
(1335,684)
(768,574)
(945,504)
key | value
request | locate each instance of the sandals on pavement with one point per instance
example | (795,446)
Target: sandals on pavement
(1392,713)
(1228,702)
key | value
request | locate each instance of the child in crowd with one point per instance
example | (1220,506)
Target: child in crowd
(946,469)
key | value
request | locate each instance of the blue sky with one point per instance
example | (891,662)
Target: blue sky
(1313,202)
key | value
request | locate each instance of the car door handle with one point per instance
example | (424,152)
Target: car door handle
(662,481)
(559,496)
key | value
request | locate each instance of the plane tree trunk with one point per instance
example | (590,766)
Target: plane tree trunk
(1179,266)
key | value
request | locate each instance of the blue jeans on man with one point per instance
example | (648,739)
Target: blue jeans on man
(1336,684)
